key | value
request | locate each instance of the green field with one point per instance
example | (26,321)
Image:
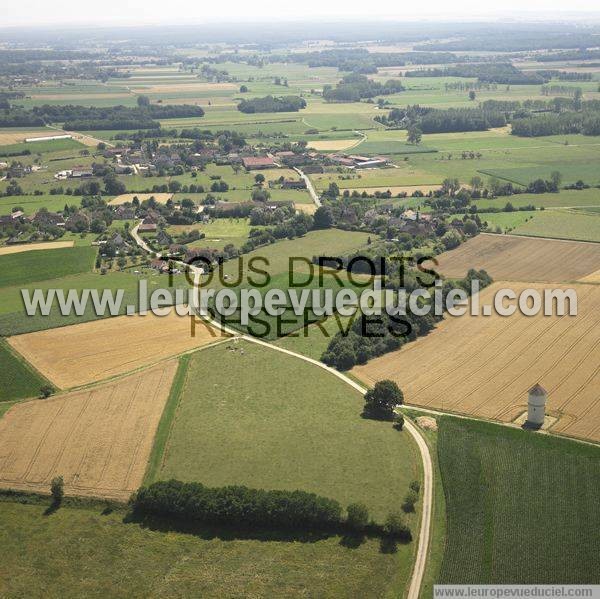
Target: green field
(42,147)
(31,204)
(85,551)
(29,267)
(563,199)
(522,507)
(14,320)
(312,341)
(276,422)
(17,379)
(563,224)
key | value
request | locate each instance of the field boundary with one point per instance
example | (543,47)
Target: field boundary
(163,430)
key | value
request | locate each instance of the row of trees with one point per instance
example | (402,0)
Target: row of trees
(504,73)
(77,117)
(258,508)
(586,123)
(355,87)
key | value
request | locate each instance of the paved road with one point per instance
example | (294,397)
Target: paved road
(139,240)
(309,186)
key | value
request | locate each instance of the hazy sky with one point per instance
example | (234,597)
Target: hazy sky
(35,12)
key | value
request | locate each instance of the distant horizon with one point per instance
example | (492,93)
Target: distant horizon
(71,16)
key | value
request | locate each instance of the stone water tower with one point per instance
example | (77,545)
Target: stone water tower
(536,406)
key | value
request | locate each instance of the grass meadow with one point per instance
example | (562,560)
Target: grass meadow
(275,422)
(562,224)
(93,552)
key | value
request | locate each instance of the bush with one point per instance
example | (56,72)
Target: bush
(408,505)
(358,516)
(396,528)
(399,422)
(46,391)
(415,486)
(57,489)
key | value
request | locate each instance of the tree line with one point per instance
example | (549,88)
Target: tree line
(238,505)
(504,73)
(78,118)
(272,104)
(356,87)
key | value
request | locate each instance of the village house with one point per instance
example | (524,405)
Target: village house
(11,218)
(293,184)
(45,218)
(78,172)
(252,163)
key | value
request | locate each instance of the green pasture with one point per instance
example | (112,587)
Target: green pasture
(31,204)
(276,422)
(41,147)
(562,224)
(45,554)
(563,199)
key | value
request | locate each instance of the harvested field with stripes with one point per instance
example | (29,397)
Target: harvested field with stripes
(98,439)
(512,258)
(484,366)
(83,353)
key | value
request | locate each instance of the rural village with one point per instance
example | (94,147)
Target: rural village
(299,455)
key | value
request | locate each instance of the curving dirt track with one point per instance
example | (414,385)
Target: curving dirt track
(98,439)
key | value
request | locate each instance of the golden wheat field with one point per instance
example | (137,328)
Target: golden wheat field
(161,198)
(512,258)
(48,245)
(98,439)
(8,137)
(83,353)
(484,366)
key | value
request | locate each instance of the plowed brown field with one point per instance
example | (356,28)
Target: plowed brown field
(92,351)
(512,258)
(484,366)
(98,439)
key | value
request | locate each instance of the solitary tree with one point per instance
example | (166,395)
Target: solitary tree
(143,101)
(395,527)
(414,135)
(46,391)
(472,95)
(383,398)
(57,489)
(259,178)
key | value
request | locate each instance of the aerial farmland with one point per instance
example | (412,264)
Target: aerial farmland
(209,386)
